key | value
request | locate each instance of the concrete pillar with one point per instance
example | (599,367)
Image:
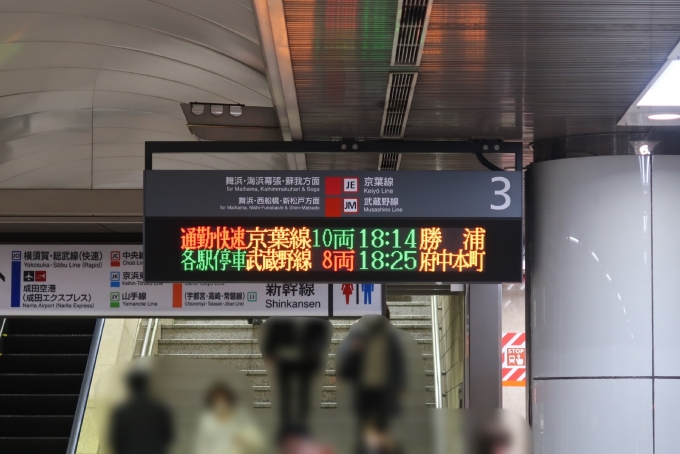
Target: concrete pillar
(604,306)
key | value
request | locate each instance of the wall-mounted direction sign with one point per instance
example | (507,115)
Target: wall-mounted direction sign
(332,226)
(108,281)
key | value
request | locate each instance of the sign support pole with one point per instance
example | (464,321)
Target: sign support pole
(484,382)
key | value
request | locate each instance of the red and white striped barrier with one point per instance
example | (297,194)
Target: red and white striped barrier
(514,358)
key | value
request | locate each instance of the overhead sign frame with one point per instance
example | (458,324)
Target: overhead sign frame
(187,203)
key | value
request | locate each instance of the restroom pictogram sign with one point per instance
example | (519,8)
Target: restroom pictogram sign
(514,357)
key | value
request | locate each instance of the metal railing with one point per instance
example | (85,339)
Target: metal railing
(436,356)
(3,334)
(85,387)
(149,337)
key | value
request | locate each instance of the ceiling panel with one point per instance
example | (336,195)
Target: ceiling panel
(237,20)
(84,83)
(68,167)
(144,21)
(160,87)
(137,103)
(44,101)
(18,126)
(341,53)
(33,80)
(491,69)
(133,119)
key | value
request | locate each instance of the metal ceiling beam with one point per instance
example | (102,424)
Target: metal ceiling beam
(344,146)
(347,146)
(271,24)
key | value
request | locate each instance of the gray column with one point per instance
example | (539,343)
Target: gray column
(591,305)
(484,366)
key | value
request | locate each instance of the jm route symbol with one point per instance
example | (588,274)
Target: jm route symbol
(351,206)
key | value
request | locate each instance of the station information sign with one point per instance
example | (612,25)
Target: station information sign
(108,281)
(255,226)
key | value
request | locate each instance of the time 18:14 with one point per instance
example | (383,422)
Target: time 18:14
(379,238)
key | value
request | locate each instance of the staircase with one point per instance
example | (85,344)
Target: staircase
(41,371)
(235,343)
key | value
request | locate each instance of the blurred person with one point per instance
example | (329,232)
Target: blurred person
(493,438)
(293,443)
(296,347)
(141,424)
(225,427)
(371,360)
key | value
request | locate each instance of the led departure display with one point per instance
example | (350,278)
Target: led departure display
(332,226)
(409,251)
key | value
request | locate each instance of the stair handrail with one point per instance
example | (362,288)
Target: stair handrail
(149,337)
(85,387)
(437,359)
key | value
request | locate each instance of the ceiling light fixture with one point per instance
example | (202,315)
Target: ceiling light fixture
(197,109)
(236,111)
(644,147)
(665,90)
(664,117)
(656,103)
(216,109)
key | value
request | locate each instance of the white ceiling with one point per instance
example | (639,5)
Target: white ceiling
(84,83)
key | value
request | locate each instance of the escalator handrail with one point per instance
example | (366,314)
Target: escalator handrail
(436,355)
(85,387)
(3,323)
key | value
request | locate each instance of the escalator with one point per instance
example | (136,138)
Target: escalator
(42,367)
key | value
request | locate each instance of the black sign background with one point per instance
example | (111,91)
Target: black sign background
(163,253)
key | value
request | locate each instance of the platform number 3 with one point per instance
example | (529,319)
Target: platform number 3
(502,192)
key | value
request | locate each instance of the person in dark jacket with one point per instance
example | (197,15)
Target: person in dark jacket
(371,360)
(141,424)
(296,347)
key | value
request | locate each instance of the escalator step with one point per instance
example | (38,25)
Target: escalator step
(47,343)
(38,404)
(40,383)
(41,373)
(35,426)
(49,363)
(28,445)
(50,326)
